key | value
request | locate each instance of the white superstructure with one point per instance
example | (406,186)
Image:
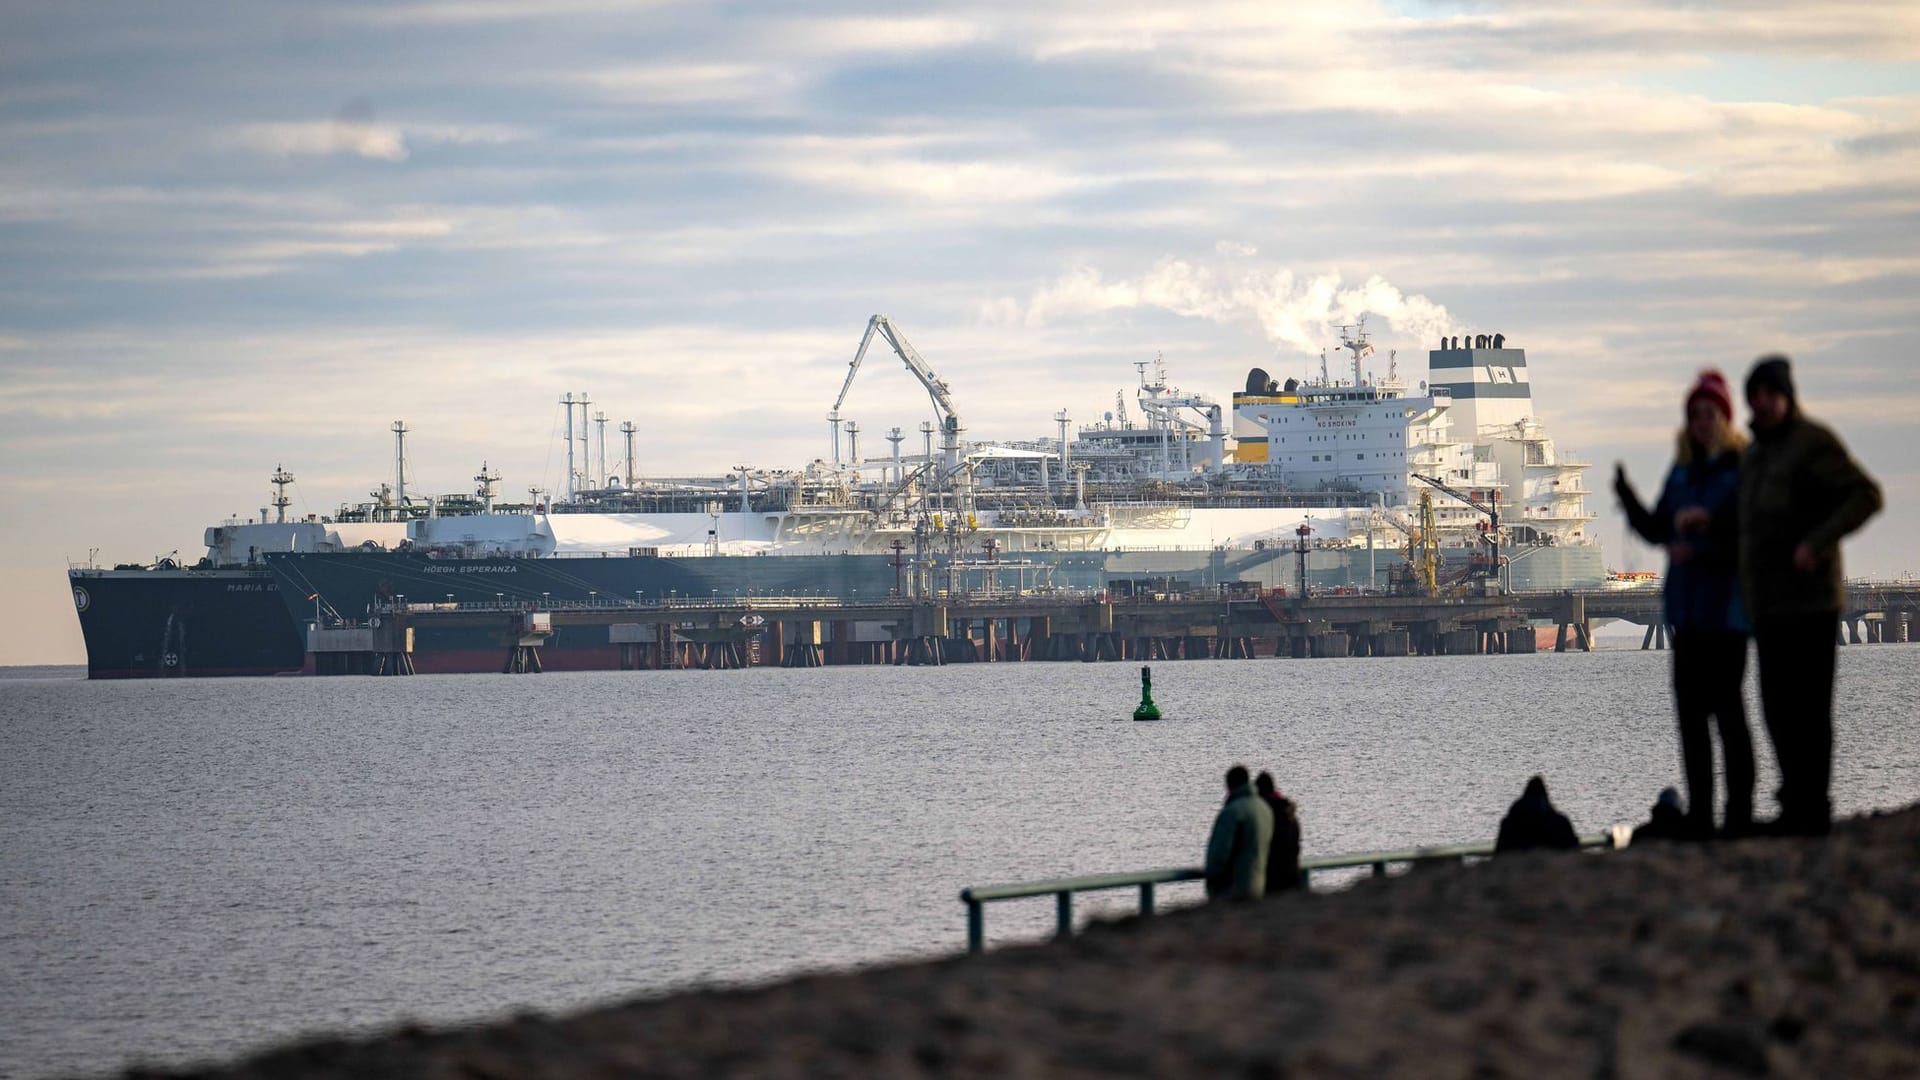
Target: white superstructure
(1343,454)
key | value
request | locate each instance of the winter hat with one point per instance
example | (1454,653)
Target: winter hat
(1772,373)
(1668,797)
(1713,386)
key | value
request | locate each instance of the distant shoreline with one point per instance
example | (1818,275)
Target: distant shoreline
(43,671)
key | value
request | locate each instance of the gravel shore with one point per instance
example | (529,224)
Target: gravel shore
(1761,957)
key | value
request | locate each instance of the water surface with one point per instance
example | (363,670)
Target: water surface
(194,868)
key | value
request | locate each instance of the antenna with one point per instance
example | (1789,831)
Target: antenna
(627,429)
(281,478)
(399,430)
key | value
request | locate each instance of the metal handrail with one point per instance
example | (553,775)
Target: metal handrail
(1062,889)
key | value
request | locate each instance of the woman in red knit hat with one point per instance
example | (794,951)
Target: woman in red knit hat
(1696,520)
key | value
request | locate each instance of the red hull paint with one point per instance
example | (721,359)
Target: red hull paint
(437,662)
(481,661)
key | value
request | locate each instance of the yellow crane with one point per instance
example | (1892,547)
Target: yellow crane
(1423,549)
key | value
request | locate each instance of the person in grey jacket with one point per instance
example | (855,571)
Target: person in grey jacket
(1800,493)
(1237,850)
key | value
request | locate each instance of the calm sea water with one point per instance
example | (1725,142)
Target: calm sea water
(191,869)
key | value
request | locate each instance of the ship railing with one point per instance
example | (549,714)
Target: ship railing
(1147,881)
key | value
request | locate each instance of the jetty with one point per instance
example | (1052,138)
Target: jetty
(721,633)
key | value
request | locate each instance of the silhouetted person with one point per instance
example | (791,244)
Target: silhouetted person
(1697,520)
(1800,492)
(1667,821)
(1283,854)
(1532,823)
(1237,850)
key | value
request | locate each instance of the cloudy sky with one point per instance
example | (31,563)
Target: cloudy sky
(237,235)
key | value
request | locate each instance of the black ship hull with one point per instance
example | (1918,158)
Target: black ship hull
(254,621)
(352,588)
(145,624)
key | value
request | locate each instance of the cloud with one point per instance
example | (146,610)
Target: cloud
(649,200)
(845,36)
(440,13)
(1296,312)
(321,138)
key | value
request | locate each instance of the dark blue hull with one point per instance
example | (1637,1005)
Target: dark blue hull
(144,624)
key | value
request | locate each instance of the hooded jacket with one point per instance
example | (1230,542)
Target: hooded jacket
(1237,850)
(1798,485)
(1532,822)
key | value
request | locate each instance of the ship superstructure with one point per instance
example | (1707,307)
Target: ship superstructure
(1175,498)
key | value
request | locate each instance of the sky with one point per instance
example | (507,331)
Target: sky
(235,236)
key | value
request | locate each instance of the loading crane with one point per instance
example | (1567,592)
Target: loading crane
(1421,574)
(1491,527)
(935,386)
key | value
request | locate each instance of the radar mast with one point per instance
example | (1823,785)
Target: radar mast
(281,478)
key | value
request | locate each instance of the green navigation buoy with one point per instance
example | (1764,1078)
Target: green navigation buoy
(1147,710)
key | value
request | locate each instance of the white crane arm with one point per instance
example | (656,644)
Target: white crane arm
(936,387)
(853,366)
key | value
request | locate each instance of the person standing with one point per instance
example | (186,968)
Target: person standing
(1697,520)
(1283,854)
(1237,851)
(1800,493)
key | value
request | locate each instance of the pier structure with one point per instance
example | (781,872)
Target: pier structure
(725,634)
(1876,612)
(730,634)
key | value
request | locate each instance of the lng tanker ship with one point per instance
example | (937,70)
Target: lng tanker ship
(1167,502)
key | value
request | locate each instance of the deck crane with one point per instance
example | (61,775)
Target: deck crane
(936,388)
(1491,508)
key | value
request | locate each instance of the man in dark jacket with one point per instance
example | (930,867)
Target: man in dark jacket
(1532,822)
(1283,855)
(1237,850)
(1800,493)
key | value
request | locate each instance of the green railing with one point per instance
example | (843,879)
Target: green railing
(1062,889)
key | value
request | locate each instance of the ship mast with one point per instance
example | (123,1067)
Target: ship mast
(569,402)
(627,428)
(486,479)
(1353,338)
(399,462)
(281,478)
(600,425)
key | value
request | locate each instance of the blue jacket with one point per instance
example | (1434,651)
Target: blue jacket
(1702,593)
